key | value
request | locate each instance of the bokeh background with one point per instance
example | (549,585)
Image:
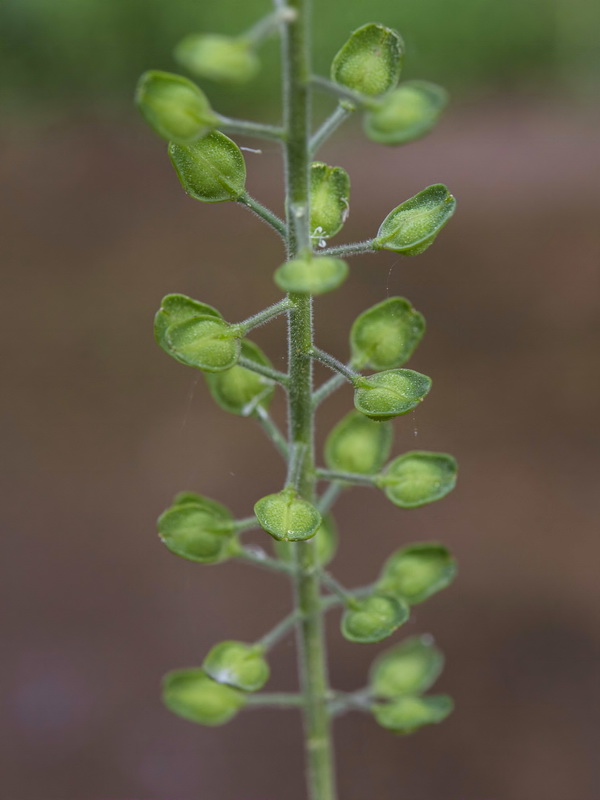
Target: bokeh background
(100,428)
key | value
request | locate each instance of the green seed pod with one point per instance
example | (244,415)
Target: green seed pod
(196,531)
(178,308)
(239,390)
(386,335)
(237,664)
(374,618)
(311,274)
(406,714)
(357,444)
(410,668)
(204,342)
(326,539)
(174,107)
(193,695)
(208,505)
(212,169)
(329,200)
(406,114)
(418,478)
(371,60)
(389,394)
(287,516)
(225,59)
(413,225)
(417,571)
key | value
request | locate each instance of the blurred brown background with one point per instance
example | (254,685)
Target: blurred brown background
(101,429)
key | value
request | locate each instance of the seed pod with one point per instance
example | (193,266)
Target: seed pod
(326,540)
(406,714)
(417,571)
(225,59)
(193,695)
(239,390)
(237,664)
(204,342)
(418,478)
(311,274)
(386,335)
(287,516)
(409,668)
(371,60)
(412,227)
(329,200)
(196,531)
(178,308)
(406,114)
(212,169)
(358,444)
(208,505)
(174,107)
(374,618)
(390,394)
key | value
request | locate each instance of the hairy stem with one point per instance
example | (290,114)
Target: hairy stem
(330,125)
(311,642)
(264,213)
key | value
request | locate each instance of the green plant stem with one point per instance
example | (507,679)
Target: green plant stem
(311,644)
(328,388)
(246,524)
(272,637)
(265,214)
(346,94)
(329,496)
(329,126)
(266,315)
(346,597)
(259,558)
(272,431)
(354,249)
(346,477)
(246,128)
(264,370)
(334,364)
(359,700)
(267,25)
(275,699)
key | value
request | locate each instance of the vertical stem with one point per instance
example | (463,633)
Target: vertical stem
(311,643)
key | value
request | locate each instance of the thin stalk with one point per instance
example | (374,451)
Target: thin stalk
(336,89)
(329,126)
(347,477)
(276,634)
(333,363)
(264,370)
(359,700)
(354,249)
(274,699)
(245,127)
(272,431)
(265,214)
(246,524)
(329,496)
(346,597)
(312,661)
(258,557)
(328,388)
(266,315)
(268,25)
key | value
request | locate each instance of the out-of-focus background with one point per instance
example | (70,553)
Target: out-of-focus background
(100,428)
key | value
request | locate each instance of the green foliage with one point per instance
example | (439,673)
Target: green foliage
(237,664)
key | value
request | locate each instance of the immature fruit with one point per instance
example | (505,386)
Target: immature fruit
(326,541)
(176,308)
(329,199)
(390,394)
(407,714)
(417,478)
(371,60)
(409,668)
(199,531)
(373,618)
(239,390)
(287,516)
(221,58)
(212,169)
(174,107)
(386,335)
(358,444)
(310,274)
(406,114)
(204,342)
(192,694)
(417,571)
(237,664)
(412,227)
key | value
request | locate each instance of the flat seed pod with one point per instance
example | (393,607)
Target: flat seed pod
(329,200)
(371,60)
(211,506)
(237,664)
(326,539)
(375,618)
(225,59)
(406,114)
(212,169)
(195,532)
(390,394)
(178,308)
(386,335)
(418,478)
(174,107)
(240,390)
(203,342)
(193,695)
(358,444)
(409,668)
(413,225)
(407,714)
(417,571)
(311,274)
(287,516)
